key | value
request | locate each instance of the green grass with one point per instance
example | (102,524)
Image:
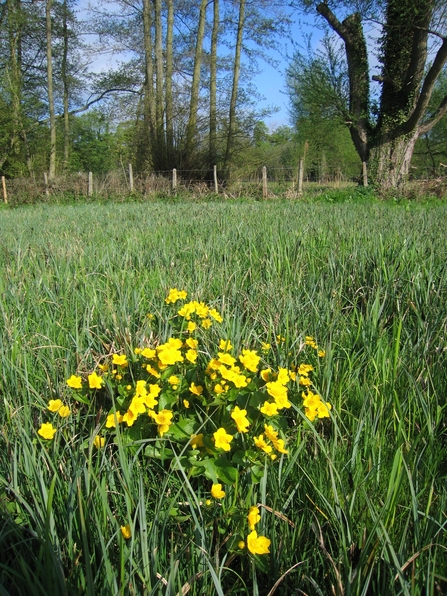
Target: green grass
(362,500)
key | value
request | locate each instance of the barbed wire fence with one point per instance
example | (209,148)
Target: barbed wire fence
(261,182)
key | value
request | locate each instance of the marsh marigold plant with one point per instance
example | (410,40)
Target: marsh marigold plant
(223,415)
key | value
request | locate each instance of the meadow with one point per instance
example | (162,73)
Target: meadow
(358,505)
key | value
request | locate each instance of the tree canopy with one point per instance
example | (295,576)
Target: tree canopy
(411,53)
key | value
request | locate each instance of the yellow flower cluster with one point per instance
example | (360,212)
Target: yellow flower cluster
(46,430)
(310,341)
(257,545)
(175,295)
(203,313)
(221,412)
(314,407)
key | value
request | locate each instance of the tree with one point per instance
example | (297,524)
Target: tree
(408,74)
(318,88)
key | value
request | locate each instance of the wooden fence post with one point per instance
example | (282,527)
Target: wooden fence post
(45,178)
(5,194)
(300,176)
(174,179)
(264,183)
(130,177)
(90,184)
(365,174)
(216,185)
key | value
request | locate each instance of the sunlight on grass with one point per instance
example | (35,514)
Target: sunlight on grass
(358,505)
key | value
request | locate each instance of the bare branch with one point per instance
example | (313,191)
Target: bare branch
(442,109)
(384,79)
(427,88)
(88,104)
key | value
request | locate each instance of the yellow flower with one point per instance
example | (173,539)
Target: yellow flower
(323,410)
(321,353)
(226,359)
(257,545)
(113,419)
(137,351)
(186,403)
(99,442)
(225,345)
(192,343)
(217,492)
(261,444)
(206,323)
(279,446)
(270,433)
(74,382)
(120,360)
(266,374)
(309,341)
(169,355)
(216,315)
(152,371)
(64,411)
(196,441)
(222,440)
(218,389)
(240,417)
(148,353)
(283,376)
(94,381)
(175,295)
(305,369)
(253,517)
(47,431)
(250,360)
(164,421)
(174,381)
(265,347)
(276,389)
(129,417)
(191,327)
(196,389)
(241,544)
(305,381)
(125,531)
(138,405)
(191,355)
(54,405)
(269,409)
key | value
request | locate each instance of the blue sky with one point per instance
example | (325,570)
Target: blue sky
(270,82)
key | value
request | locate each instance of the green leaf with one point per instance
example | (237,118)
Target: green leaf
(182,429)
(257,473)
(209,469)
(225,471)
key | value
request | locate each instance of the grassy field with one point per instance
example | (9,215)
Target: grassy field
(359,504)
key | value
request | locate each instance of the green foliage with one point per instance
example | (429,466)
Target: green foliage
(317,87)
(92,144)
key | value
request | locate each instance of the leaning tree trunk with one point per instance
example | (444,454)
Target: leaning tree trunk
(389,160)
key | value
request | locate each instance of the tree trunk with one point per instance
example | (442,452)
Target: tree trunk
(146,137)
(159,155)
(235,86)
(389,161)
(65,82)
(169,99)
(52,169)
(213,86)
(191,131)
